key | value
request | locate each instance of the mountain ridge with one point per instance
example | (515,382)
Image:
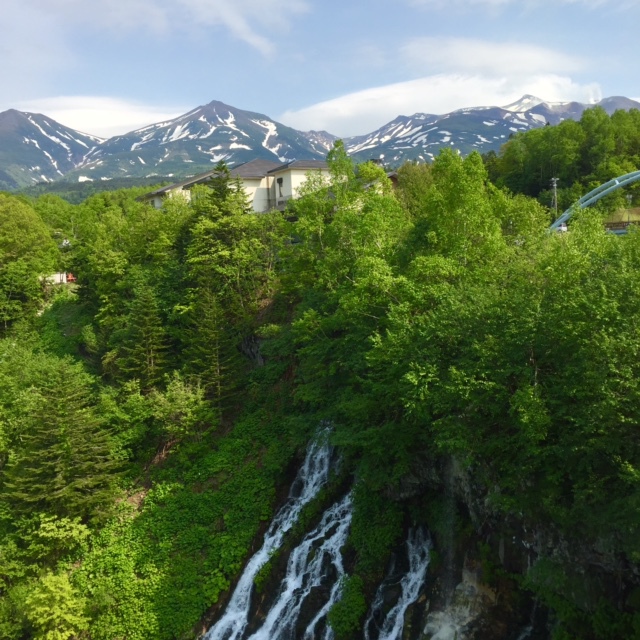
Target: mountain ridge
(35,148)
(421,136)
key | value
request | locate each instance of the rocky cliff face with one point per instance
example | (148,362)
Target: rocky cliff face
(500,576)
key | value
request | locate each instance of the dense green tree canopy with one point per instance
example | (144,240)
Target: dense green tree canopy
(151,415)
(580,154)
(27,256)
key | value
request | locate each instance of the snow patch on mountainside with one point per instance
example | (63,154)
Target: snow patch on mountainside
(217,131)
(524,104)
(272,132)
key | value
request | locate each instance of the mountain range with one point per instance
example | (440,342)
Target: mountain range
(35,148)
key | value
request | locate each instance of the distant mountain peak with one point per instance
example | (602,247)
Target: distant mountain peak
(421,136)
(524,104)
(34,147)
(197,140)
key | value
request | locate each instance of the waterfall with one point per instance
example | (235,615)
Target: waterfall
(314,566)
(311,477)
(526,633)
(418,553)
(314,573)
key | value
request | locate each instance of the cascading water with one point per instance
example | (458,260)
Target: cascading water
(316,564)
(313,579)
(525,633)
(390,626)
(312,476)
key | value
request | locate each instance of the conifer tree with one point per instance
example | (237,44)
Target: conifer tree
(220,182)
(63,464)
(211,353)
(145,343)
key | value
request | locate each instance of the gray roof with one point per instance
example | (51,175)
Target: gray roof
(253,169)
(187,182)
(307,165)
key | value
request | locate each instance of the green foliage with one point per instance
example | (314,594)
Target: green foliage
(143,345)
(77,192)
(376,527)
(181,410)
(27,255)
(233,253)
(127,414)
(439,320)
(265,571)
(60,459)
(54,609)
(579,611)
(414,182)
(64,328)
(345,616)
(211,353)
(580,154)
(153,572)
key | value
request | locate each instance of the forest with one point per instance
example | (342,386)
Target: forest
(153,412)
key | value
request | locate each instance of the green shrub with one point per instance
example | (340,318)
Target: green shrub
(346,615)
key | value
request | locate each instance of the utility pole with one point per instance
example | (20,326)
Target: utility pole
(554,186)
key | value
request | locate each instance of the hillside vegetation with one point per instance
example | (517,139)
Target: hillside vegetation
(151,414)
(582,154)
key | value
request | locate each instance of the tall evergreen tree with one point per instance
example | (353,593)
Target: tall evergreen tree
(211,352)
(62,464)
(220,182)
(145,342)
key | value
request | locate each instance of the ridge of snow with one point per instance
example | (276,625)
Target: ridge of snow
(44,133)
(524,104)
(272,130)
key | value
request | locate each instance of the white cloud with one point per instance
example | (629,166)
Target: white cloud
(456,73)
(363,111)
(471,55)
(465,3)
(242,17)
(101,116)
(37,41)
(492,4)
(247,20)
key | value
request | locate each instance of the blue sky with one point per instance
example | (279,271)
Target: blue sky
(109,66)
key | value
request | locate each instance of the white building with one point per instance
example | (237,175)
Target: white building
(268,185)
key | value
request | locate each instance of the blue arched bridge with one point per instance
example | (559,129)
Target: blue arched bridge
(619,228)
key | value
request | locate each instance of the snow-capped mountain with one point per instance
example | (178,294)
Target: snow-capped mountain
(321,141)
(197,140)
(421,136)
(35,148)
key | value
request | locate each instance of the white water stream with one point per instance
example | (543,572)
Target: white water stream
(418,552)
(315,564)
(311,477)
(314,573)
